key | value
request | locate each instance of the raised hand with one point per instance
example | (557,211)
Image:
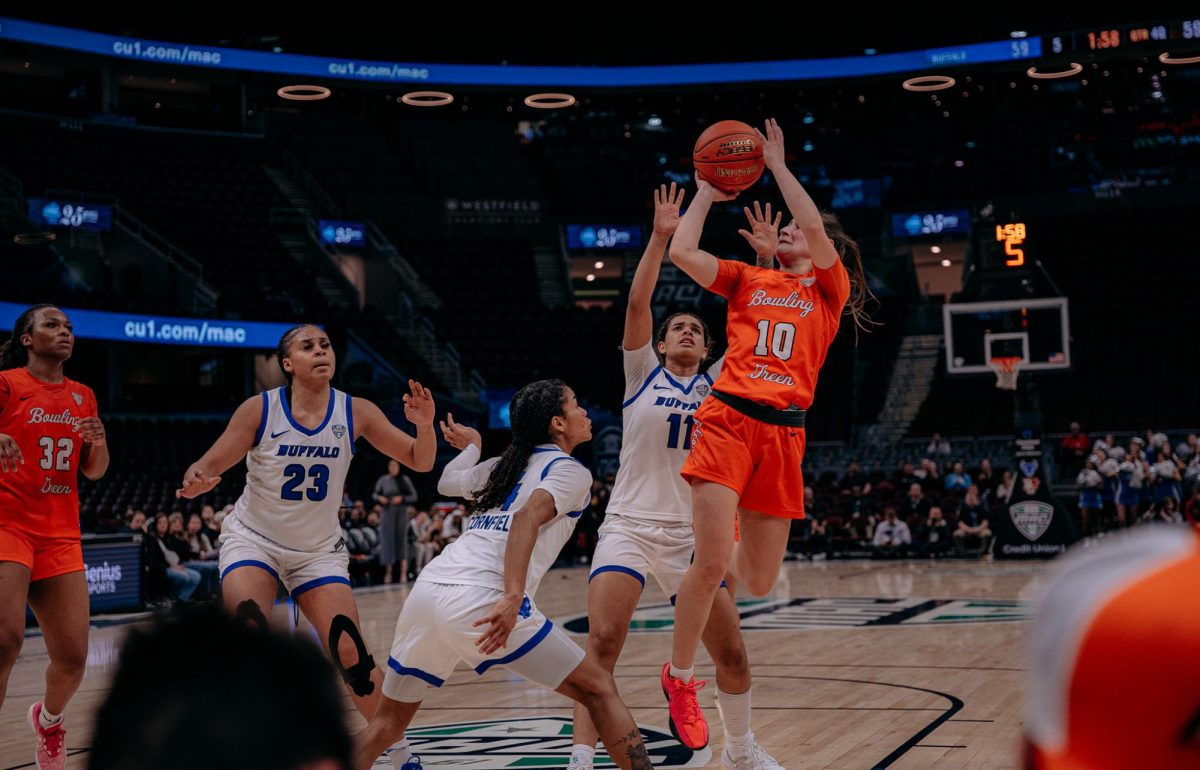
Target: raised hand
(459,436)
(418,405)
(666,209)
(773,155)
(763,235)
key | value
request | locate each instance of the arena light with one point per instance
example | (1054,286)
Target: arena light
(929,83)
(1167,58)
(301,93)
(427,98)
(1074,69)
(550,101)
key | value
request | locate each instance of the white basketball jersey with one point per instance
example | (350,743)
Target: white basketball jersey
(295,476)
(657,418)
(477,557)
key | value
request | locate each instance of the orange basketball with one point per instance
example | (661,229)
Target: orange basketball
(729,155)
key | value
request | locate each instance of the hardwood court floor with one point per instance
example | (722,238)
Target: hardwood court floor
(855,666)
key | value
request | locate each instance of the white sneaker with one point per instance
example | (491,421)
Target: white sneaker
(402,758)
(577,764)
(756,759)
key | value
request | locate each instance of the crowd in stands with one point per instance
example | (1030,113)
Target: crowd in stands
(1141,479)
(933,506)
(930,507)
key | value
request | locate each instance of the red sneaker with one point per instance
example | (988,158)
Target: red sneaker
(687,720)
(51,751)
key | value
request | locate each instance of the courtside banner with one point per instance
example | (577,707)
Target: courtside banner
(161,330)
(1032,524)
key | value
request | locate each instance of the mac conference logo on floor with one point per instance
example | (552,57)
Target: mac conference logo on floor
(529,742)
(844,612)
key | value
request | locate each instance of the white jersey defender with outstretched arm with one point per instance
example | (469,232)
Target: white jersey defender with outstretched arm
(286,520)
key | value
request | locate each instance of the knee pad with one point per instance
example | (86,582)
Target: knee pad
(357,676)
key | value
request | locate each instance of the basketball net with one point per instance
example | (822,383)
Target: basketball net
(1007,369)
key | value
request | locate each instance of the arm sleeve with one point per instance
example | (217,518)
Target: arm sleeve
(462,476)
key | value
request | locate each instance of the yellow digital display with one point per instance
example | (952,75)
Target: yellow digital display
(1013,236)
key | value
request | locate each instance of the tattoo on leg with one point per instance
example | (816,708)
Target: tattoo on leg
(631,743)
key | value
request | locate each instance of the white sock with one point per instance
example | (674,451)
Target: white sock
(683,674)
(582,754)
(48,720)
(735,714)
(400,753)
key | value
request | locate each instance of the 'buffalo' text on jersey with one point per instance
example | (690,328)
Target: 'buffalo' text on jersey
(657,423)
(294,476)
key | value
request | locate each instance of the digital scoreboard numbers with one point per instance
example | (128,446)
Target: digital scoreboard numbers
(1012,236)
(1147,35)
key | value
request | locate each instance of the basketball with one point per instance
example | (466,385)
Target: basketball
(729,155)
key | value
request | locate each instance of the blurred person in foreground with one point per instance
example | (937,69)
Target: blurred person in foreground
(274,702)
(1115,674)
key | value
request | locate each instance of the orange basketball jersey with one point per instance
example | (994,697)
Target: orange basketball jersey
(779,327)
(41,497)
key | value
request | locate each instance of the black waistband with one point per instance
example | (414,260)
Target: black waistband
(793,418)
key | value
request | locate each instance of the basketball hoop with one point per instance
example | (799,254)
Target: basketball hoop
(1007,369)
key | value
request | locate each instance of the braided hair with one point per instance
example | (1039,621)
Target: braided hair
(12,353)
(531,410)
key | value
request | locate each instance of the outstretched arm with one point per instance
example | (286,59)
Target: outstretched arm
(417,453)
(799,202)
(685,246)
(234,443)
(638,320)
